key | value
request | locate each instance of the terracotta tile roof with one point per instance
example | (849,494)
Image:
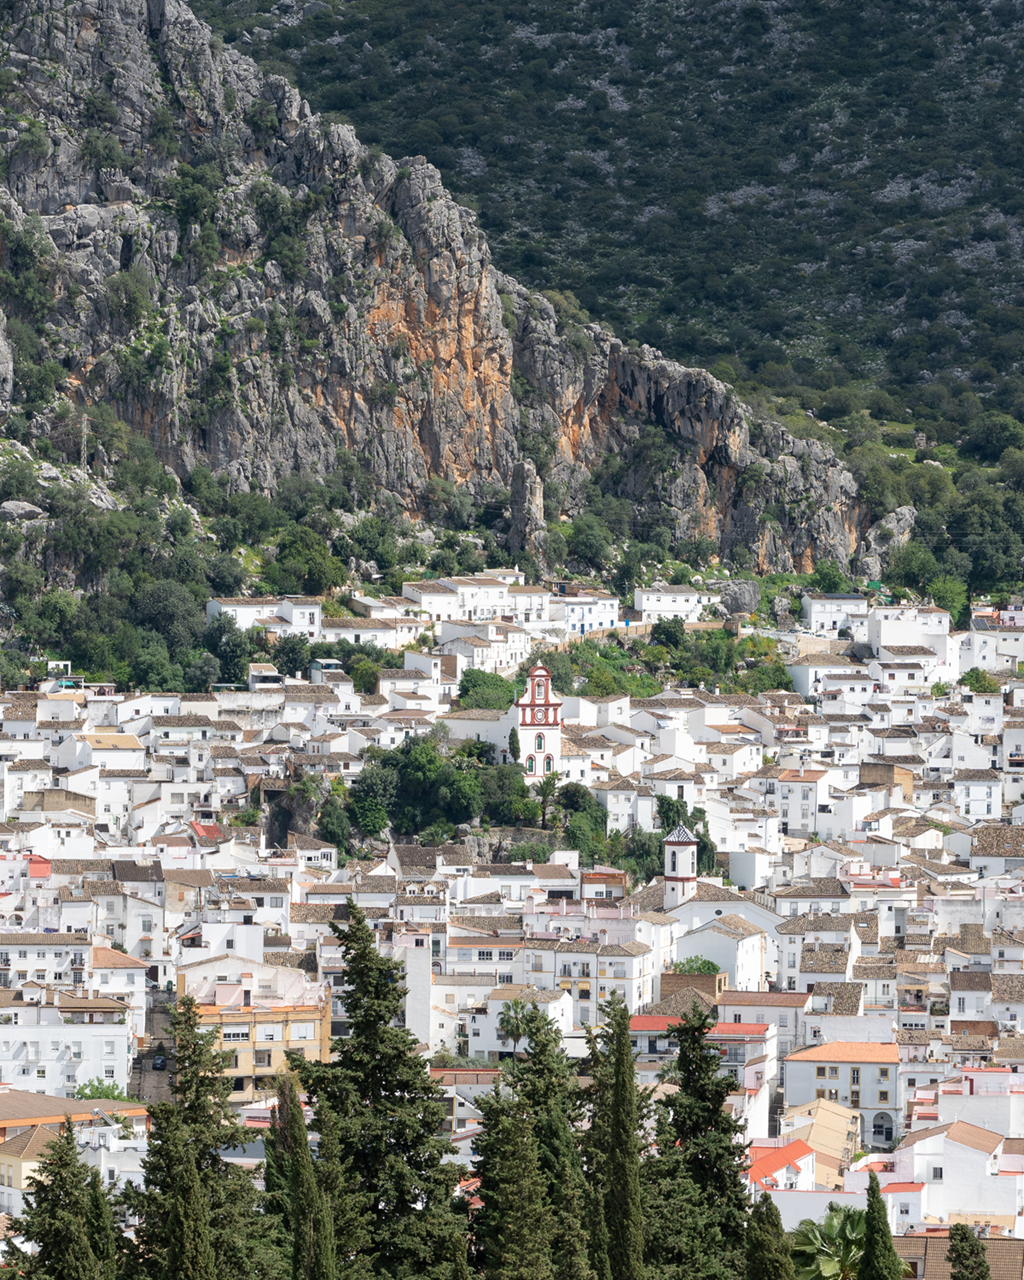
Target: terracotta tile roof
(108,958)
(966,1135)
(681,1002)
(765,999)
(846,1051)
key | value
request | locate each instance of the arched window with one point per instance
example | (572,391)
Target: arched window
(673,859)
(538,689)
(530,764)
(548,764)
(540,742)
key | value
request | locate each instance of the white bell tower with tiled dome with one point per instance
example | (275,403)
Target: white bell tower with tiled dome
(539,725)
(680,867)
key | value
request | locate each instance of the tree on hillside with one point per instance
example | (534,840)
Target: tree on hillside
(484,689)
(614,1145)
(512,1022)
(201,1118)
(966,1254)
(100,1230)
(979,681)
(880,1260)
(97,1088)
(831,1249)
(515,1228)
(829,578)
(55,1216)
(190,1254)
(695,964)
(768,1253)
(291,655)
(389,1116)
(545,1084)
(345,1202)
(693,1122)
(545,791)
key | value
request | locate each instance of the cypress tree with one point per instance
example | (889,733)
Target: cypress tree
(99,1227)
(548,1089)
(307,1211)
(389,1116)
(966,1255)
(519,1220)
(880,1261)
(684,1240)
(344,1201)
(693,1125)
(615,1128)
(190,1253)
(597,1234)
(768,1252)
(243,1240)
(55,1216)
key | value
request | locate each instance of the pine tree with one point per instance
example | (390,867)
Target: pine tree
(966,1255)
(768,1252)
(190,1253)
(389,1116)
(615,1129)
(880,1260)
(514,749)
(55,1216)
(99,1227)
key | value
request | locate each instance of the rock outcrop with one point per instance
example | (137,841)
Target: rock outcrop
(256,291)
(742,595)
(526,503)
(882,539)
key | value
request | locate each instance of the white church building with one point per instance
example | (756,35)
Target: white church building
(680,867)
(536,718)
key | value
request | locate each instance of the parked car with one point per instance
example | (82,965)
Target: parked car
(159,1063)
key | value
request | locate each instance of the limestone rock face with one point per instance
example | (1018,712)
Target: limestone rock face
(882,539)
(334,300)
(527,503)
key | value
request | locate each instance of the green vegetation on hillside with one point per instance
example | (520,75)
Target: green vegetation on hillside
(822,207)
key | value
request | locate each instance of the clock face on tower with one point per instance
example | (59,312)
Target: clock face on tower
(538,716)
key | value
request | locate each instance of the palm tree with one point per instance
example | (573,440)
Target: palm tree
(512,1022)
(545,791)
(830,1249)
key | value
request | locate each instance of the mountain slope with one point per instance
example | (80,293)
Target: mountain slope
(793,179)
(254,290)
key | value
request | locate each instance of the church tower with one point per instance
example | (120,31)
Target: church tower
(680,867)
(539,725)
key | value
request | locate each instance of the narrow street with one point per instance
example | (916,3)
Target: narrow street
(146,1084)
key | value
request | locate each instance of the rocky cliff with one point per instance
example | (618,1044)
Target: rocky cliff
(253,289)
